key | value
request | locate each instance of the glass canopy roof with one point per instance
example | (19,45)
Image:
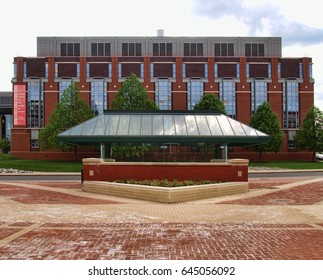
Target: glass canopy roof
(161,127)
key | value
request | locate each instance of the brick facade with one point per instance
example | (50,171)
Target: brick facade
(50,70)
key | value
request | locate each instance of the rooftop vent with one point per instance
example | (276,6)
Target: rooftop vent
(160,33)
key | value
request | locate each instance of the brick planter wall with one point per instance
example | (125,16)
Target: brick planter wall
(235,170)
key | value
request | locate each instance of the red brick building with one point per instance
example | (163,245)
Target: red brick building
(176,71)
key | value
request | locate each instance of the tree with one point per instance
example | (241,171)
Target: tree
(69,111)
(266,121)
(133,96)
(210,102)
(310,135)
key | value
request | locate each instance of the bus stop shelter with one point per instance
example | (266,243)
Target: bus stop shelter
(138,127)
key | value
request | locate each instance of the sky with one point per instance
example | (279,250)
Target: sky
(298,23)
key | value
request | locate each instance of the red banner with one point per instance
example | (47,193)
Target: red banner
(19,99)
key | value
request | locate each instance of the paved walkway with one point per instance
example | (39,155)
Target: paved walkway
(277,219)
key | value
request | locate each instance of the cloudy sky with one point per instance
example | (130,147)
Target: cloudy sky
(299,25)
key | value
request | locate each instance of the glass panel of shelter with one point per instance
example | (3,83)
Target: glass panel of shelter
(171,152)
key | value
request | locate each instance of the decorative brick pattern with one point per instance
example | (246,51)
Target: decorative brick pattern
(302,195)
(31,229)
(32,196)
(167,241)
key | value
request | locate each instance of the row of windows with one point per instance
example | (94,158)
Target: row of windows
(163,49)
(189,70)
(163,98)
(70,49)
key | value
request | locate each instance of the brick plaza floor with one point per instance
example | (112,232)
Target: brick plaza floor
(277,220)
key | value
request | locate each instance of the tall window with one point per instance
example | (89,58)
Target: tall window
(195,91)
(255,50)
(63,85)
(70,49)
(100,49)
(223,49)
(193,49)
(162,49)
(163,94)
(228,97)
(290,104)
(35,105)
(99,97)
(131,49)
(258,94)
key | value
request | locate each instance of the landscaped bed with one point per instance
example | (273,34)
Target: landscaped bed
(167,183)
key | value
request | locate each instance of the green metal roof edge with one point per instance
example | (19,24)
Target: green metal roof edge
(163,139)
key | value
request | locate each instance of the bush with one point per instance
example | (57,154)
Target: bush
(5,145)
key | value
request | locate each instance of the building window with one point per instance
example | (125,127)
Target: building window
(34,139)
(310,70)
(15,70)
(163,94)
(228,97)
(46,70)
(255,50)
(291,139)
(301,70)
(131,49)
(223,49)
(25,70)
(195,91)
(35,104)
(63,85)
(238,70)
(269,70)
(193,49)
(70,49)
(290,104)
(259,94)
(248,70)
(99,97)
(100,49)
(216,72)
(162,49)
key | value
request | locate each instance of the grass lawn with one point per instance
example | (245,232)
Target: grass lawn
(8,161)
(289,164)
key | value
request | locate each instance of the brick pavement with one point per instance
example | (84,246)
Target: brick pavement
(275,220)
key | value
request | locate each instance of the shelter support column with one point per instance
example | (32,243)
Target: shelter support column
(105,150)
(225,152)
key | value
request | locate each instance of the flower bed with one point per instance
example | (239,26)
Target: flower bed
(167,183)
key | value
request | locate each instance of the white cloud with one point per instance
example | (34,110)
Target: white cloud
(263,18)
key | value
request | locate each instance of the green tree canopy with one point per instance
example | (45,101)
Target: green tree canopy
(267,121)
(69,111)
(210,102)
(310,135)
(133,96)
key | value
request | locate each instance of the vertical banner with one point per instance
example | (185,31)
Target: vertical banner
(19,99)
